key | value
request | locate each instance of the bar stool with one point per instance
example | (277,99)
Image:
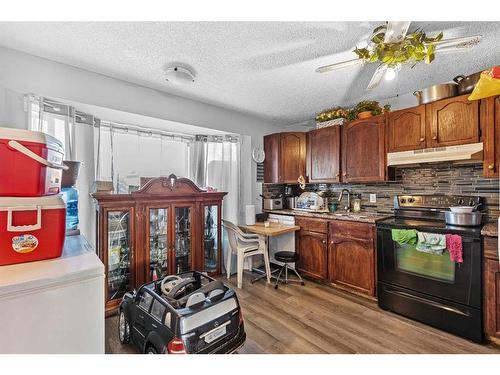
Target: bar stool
(287,257)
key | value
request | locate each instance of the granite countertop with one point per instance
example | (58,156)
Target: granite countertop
(364,217)
(490,230)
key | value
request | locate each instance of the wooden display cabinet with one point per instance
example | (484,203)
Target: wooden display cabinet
(167,227)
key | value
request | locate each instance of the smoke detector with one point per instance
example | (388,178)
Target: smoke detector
(179,75)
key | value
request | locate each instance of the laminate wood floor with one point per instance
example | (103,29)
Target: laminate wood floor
(316,318)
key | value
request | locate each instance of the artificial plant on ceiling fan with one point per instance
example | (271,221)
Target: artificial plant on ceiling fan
(414,47)
(391,46)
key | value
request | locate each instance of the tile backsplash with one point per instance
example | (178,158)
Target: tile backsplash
(443,178)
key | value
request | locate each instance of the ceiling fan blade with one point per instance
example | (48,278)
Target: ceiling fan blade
(458,43)
(396,31)
(339,65)
(377,77)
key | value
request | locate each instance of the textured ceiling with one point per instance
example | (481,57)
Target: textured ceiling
(260,68)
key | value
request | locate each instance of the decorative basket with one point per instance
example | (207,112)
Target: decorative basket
(325,124)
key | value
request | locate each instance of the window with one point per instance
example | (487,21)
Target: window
(145,301)
(128,154)
(157,310)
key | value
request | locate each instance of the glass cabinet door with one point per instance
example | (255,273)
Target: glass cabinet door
(183,239)
(158,243)
(210,237)
(119,254)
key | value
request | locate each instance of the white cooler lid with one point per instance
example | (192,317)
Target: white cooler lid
(22,135)
(47,202)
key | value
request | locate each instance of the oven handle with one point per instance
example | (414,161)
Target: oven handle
(423,300)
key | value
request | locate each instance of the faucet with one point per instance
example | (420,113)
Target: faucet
(347,208)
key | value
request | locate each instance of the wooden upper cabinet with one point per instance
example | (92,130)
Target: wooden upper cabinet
(285,157)
(490,123)
(406,130)
(293,157)
(272,160)
(453,121)
(363,150)
(323,154)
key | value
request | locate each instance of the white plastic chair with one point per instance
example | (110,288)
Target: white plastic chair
(244,245)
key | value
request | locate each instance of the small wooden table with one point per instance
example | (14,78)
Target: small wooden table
(274,229)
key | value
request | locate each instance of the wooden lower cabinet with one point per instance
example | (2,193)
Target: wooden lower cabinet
(339,252)
(351,256)
(491,271)
(313,254)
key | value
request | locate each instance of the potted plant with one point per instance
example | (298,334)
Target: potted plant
(334,116)
(367,108)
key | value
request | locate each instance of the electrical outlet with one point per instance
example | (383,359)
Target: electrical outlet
(373,198)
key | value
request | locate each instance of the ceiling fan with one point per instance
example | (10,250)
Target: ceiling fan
(393,36)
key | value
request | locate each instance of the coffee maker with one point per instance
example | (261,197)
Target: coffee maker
(289,198)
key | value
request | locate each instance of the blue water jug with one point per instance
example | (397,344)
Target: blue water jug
(70,196)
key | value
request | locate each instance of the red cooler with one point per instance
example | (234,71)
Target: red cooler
(30,163)
(31,228)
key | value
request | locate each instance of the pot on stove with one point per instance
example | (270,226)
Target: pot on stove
(463,219)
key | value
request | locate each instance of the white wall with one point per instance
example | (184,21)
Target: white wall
(23,73)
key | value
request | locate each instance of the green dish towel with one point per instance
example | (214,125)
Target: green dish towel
(432,243)
(404,236)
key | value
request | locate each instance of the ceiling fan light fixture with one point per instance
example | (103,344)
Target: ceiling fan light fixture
(179,75)
(392,72)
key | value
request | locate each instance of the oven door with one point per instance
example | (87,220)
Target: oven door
(434,275)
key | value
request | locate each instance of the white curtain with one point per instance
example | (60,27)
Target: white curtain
(215,162)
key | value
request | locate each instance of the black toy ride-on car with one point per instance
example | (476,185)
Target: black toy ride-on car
(185,313)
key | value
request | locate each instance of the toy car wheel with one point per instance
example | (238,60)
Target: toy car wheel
(123,329)
(151,350)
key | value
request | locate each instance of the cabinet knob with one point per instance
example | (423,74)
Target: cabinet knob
(344,174)
(337,175)
(435,137)
(324,241)
(422,139)
(491,166)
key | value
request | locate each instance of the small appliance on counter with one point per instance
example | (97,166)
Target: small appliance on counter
(290,198)
(272,201)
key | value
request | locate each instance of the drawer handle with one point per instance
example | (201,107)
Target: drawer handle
(422,139)
(435,137)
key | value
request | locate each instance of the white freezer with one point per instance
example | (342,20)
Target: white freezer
(56,305)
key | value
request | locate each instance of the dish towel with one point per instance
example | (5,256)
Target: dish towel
(404,236)
(432,243)
(454,246)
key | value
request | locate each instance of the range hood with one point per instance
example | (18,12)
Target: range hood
(463,153)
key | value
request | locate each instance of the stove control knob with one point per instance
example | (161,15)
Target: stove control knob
(460,201)
(471,202)
(403,200)
(411,200)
